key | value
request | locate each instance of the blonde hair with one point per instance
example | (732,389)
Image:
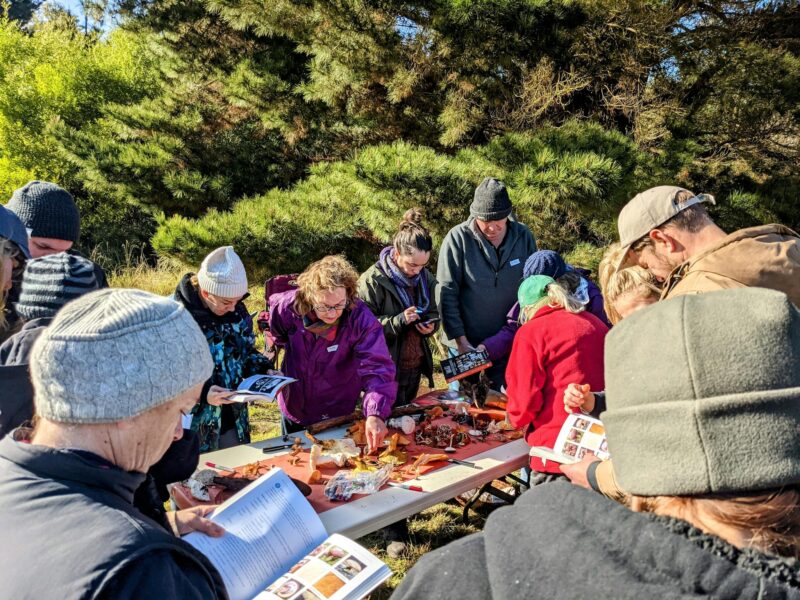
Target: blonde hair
(324,275)
(617,283)
(557,295)
(7,250)
(769,519)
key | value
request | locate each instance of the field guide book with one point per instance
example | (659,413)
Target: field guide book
(260,387)
(465,365)
(276,548)
(579,434)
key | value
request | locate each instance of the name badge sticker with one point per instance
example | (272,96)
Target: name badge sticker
(514,262)
(333,348)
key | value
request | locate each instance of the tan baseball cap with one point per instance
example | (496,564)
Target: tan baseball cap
(649,210)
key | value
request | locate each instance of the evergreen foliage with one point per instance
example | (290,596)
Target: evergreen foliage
(558,188)
(295,129)
(22,10)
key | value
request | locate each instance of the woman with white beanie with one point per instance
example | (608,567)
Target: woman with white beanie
(214,297)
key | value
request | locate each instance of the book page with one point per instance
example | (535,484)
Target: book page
(337,569)
(546,454)
(260,387)
(581,434)
(269,526)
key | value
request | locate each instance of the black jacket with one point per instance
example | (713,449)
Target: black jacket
(16,407)
(560,541)
(70,531)
(16,400)
(380,295)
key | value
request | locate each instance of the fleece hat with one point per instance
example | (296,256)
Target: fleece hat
(222,274)
(47,210)
(544,262)
(650,209)
(49,282)
(703,394)
(11,228)
(491,201)
(533,289)
(115,353)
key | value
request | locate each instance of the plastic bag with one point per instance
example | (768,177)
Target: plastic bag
(344,484)
(338,452)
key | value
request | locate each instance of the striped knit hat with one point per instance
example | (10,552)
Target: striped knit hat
(48,283)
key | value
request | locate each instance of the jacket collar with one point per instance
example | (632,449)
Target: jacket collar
(78,466)
(384,281)
(496,256)
(680,271)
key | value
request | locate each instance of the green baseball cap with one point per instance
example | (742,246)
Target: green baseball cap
(533,289)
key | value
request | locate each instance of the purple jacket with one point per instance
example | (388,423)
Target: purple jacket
(332,375)
(499,345)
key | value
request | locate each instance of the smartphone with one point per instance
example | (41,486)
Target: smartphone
(433,320)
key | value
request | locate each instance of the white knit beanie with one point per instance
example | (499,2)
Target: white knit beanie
(113,354)
(222,274)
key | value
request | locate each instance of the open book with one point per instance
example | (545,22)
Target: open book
(579,434)
(275,547)
(465,364)
(260,387)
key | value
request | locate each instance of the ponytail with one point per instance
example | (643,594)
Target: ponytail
(412,236)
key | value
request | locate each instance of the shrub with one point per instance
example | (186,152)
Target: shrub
(563,191)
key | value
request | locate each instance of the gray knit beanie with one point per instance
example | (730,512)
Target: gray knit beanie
(115,353)
(703,394)
(491,202)
(48,210)
(49,282)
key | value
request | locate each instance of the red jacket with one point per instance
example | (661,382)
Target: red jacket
(552,350)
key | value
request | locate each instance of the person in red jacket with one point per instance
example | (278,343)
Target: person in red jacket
(557,342)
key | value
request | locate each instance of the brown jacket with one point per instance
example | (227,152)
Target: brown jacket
(766,256)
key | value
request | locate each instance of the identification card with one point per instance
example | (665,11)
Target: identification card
(514,262)
(333,348)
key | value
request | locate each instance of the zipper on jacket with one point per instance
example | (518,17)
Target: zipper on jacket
(496,275)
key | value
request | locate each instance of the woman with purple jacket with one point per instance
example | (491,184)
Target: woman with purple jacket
(335,347)
(575,280)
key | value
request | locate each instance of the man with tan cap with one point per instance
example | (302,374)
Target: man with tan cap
(667,231)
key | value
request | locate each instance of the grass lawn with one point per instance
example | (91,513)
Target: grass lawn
(429,529)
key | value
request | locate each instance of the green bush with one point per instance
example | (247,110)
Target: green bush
(564,192)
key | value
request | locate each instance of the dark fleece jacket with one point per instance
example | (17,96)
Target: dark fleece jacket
(560,541)
(16,401)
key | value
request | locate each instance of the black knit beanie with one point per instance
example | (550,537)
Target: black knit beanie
(48,210)
(491,202)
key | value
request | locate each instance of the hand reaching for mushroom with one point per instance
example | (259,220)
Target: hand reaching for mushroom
(376,430)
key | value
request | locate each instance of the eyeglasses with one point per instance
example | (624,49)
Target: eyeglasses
(324,308)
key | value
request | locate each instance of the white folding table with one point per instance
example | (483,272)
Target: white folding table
(364,515)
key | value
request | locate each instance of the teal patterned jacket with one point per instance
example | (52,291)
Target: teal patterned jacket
(231,341)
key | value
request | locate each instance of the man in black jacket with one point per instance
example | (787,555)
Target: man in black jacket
(113,374)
